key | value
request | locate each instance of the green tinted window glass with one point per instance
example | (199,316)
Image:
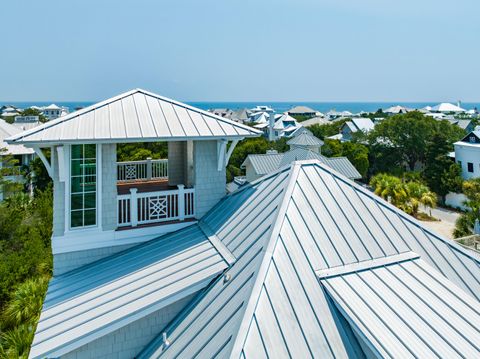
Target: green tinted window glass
(77,152)
(90,151)
(77,201)
(77,168)
(77,184)
(77,219)
(83,185)
(90,200)
(90,216)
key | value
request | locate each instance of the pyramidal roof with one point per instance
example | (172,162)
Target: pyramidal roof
(305,139)
(318,262)
(135,116)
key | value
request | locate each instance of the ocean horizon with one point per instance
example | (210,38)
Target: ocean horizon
(282,106)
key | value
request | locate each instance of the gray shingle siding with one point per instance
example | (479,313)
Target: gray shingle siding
(210,184)
(128,341)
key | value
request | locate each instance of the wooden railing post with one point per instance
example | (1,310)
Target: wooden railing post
(149,168)
(133,207)
(181,202)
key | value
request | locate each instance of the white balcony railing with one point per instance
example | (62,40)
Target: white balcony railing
(153,207)
(142,170)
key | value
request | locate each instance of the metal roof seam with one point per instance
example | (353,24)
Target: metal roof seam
(392,308)
(367,250)
(263,270)
(299,278)
(364,332)
(64,318)
(444,338)
(321,200)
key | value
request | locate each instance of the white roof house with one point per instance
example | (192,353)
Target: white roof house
(302,110)
(446,107)
(354,125)
(7,130)
(397,109)
(108,204)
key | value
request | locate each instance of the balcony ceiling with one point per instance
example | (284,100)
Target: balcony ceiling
(135,116)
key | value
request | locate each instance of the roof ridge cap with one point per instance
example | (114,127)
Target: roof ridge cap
(252,303)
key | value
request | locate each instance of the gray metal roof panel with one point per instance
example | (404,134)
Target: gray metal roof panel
(264,163)
(136,115)
(305,139)
(408,309)
(316,220)
(96,299)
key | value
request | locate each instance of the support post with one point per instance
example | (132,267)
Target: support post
(181,202)
(221,146)
(149,168)
(133,207)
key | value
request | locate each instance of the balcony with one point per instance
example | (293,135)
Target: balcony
(145,197)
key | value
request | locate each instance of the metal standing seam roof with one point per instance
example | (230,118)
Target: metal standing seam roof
(7,130)
(284,230)
(267,298)
(264,163)
(305,139)
(268,163)
(135,116)
(407,309)
(96,299)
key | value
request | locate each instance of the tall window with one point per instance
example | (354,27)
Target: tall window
(83,186)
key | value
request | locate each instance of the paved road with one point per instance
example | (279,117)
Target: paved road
(447,218)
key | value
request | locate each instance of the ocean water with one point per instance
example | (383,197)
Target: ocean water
(353,107)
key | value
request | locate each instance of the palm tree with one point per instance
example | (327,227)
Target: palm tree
(26,303)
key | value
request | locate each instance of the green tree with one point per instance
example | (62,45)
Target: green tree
(327,130)
(404,140)
(466,221)
(437,163)
(34,112)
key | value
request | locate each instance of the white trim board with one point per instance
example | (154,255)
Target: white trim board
(94,238)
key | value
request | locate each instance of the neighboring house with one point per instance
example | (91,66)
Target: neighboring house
(302,263)
(22,154)
(285,126)
(305,139)
(315,121)
(466,125)
(446,107)
(275,126)
(26,122)
(334,115)
(467,154)
(395,110)
(304,146)
(240,115)
(302,111)
(222,112)
(353,126)
(53,111)
(9,111)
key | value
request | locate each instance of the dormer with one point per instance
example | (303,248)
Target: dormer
(101,205)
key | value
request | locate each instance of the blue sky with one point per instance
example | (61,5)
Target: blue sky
(241,50)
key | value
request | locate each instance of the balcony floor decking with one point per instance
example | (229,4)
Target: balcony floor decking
(144,186)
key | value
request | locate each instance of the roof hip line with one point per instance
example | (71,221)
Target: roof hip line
(264,266)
